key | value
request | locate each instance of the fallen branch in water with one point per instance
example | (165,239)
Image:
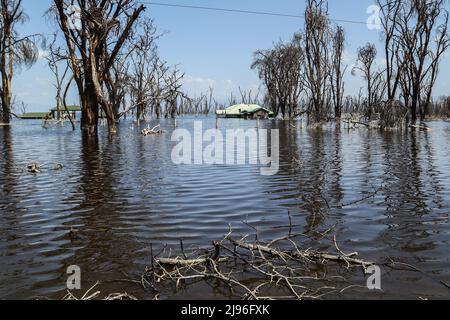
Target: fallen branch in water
(421,127)
(90,294)
(289,270)
(310,255)
(153,131)
(180,262)
(190,262)
(393,264)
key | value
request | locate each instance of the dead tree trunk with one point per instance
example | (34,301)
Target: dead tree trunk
(337,78)
(316,42)
(13,50)
(93,48)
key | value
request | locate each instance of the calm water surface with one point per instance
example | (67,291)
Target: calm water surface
(118,195)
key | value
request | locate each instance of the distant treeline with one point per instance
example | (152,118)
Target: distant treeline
(306,74)
(107,51)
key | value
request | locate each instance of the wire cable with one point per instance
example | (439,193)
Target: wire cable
(285,15)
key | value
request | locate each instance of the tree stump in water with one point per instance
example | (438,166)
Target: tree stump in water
(34,167)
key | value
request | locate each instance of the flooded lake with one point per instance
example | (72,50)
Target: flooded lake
(386,196)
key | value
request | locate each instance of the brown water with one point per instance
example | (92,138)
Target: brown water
(120,194)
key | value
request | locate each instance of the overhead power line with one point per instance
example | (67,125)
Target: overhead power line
(285,15)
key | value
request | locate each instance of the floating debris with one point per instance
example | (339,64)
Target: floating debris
(34,167)
(155,131)
(95,295)
(58,167)
(282,264)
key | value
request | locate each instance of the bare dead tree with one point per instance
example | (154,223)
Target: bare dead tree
(293,60)
(374,78)
(424,28)
(93,48)
(210,104)
(152,84)
(165,91)
(317,52)
(15,50)
(439,108)
(416,37)
(248,96)
(338,71)
(143,68)
(442,44)
(173,92)
(116,83)
(57,61)
(280,69)
(265,63)
(161,70)
(390,10)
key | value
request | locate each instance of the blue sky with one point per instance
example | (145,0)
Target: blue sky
(213,48)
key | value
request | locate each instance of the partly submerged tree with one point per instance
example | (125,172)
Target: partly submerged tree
(15,51)
(146,72)
(389,11)
(375,83)
(423,39)
(317,41)
(58,64)
(94,43)
(415,40)
(280,69)
(338,71)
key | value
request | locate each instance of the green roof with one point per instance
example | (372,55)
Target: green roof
(34,115)
(70,108)
(242,109)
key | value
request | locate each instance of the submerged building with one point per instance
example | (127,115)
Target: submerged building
(246,111)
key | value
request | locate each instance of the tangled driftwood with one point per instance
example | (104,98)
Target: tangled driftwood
(94,295)
(278,266)
(284,268)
